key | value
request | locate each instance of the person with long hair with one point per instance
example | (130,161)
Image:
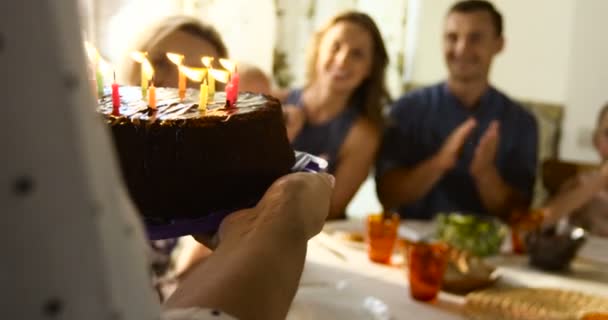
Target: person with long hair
(338,113)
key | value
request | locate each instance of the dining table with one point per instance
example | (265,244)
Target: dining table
(340,282)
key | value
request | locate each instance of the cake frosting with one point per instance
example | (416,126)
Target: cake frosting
(180,162)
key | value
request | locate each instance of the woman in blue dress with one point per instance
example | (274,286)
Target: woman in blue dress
(338,113)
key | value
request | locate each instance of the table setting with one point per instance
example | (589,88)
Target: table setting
(348,274)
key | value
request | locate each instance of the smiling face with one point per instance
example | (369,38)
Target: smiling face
(470,42)
(344,58)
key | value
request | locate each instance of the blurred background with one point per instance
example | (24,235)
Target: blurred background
(554,61)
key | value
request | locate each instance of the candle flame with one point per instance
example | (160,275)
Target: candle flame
(228,65)
(139,56)
(207,61)
(92,52)
(104,66)
(147,69)
(220,75)
(194,74)
(176,58)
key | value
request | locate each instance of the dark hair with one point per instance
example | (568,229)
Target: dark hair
(160,30)
(469,6)
(373,89)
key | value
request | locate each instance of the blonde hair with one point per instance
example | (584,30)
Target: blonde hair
(373,89)
(152,36)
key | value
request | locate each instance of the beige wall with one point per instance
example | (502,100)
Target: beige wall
(587,78)
(247,27)
(535,57)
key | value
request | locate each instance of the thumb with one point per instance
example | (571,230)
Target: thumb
(329,179)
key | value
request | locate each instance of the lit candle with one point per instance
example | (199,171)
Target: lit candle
(146,70)
(99,78)
(207,62)
(102,69)
(93,56)
(178,59)
(152,96)
(93,80)
(234,80)
(202,104)
(230,95)
(115,98)
(232,88)
(198,75)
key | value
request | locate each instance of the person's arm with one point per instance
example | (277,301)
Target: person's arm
(356,158)
(404,185)
(574,195)
(189,256)
(295,118)
(254,272)
(498,195)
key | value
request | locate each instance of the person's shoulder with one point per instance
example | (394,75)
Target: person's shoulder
(421,94)
(363,134)
(516,110)
(366,129)
(416,99)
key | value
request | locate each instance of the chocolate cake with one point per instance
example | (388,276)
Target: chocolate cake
(179,162)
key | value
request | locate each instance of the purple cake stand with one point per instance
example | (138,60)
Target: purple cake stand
(210,223)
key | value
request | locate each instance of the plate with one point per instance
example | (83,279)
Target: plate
(210,223)
(313,303)
(532,303)
(466,273)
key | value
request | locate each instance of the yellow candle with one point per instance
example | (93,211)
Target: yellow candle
(144,83)
(202,105)
(181,83)
(211,85)
(146,70)
(152,97)
(207,62)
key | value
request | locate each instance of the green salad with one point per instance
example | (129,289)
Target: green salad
(482,236)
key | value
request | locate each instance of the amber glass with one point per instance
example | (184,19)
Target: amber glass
(381,236)
(522,222)
(426,264)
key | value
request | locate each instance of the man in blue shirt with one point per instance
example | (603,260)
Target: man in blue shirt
(460,145)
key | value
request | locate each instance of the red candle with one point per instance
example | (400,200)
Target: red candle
(232,89)
(230,95)
(115,98)
(235,84)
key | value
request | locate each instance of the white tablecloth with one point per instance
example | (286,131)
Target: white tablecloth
(339,282)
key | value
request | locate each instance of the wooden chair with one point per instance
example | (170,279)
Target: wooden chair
(555,172)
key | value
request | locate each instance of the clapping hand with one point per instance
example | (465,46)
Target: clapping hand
(485,153)
(450,151)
